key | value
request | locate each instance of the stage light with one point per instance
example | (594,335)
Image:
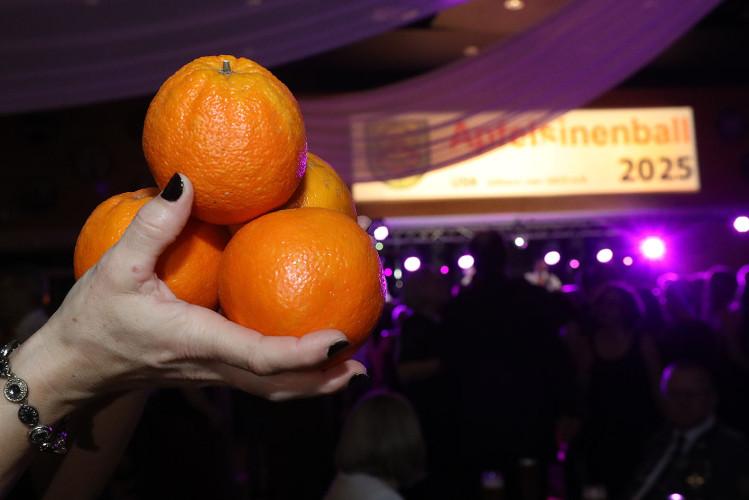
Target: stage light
(741,224)
(379,246)
(465,261)
(412,264)
(552,258)
(574,263)
(604,255)
(397,274)
(444,269)
(380,233)
(387,271)
(520,242)
(653,248)
(627,261)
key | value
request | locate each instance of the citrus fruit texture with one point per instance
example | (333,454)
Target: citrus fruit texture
(235,130)
(189,266)
(294,271)
(321,186)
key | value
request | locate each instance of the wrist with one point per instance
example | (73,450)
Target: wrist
(48,376)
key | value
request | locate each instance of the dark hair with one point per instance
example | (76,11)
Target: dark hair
(382,438)
(489,252)
(634,308)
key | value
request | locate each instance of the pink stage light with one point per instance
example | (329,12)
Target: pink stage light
(627,261)
(653,248)
(444,269)
(574,263)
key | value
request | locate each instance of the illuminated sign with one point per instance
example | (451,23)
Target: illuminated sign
(642,150)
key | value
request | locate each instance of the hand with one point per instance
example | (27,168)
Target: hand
(121,328)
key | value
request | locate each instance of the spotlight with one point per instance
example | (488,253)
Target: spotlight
(412,264)
(379,246)
(653,248)
(604,255)
(520,242)
(387,271)
(397,274)
(552,258)
(574,263)
(380,233)
(465,262)
(741,224)
(444,269)
(627,261)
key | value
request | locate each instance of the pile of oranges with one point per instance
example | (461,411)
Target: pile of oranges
(273,238)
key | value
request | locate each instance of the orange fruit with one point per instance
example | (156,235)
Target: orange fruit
(189,266)
(322,187)
(235,130)
(294,271)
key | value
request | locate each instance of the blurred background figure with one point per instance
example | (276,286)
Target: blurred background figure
(685,336)
(23,297)
(619,370)
(418,363)
(541,276)
(380,451)
(696,455)
(509,388)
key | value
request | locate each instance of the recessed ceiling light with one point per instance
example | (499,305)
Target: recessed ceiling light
(471,50)
(514,4)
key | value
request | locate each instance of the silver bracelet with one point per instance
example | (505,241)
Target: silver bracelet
(16,391)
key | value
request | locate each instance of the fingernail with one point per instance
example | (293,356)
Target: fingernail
(337,347)
(358,380)
(173,190)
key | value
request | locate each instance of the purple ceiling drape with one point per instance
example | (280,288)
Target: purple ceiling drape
(61,53)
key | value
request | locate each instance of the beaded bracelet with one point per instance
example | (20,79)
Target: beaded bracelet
(16,391)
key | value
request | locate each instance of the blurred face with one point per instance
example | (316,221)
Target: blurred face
(608,307)
(688,397)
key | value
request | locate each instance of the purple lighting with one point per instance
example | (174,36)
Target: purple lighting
(627,261)
(444,269)
(574,263)
(412,264)
(653,248)
(741,224)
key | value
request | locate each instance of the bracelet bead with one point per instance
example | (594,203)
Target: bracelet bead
(15,390)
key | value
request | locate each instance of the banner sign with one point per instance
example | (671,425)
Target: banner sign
(597,151)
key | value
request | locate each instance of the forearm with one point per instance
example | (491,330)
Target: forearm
(31,364)
(99,435)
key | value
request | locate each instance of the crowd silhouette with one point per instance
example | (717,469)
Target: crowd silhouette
(516,389)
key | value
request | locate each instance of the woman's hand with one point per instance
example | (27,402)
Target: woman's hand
(120,328)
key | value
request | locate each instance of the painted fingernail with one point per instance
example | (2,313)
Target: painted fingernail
(173,190)
(358,380)
(337,347)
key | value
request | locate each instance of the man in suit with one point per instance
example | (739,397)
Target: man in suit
(697,456)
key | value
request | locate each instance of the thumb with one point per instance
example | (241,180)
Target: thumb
(156,225)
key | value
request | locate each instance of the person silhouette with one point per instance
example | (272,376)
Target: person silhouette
(695,455)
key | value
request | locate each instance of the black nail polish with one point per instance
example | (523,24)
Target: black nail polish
(358,380)
(173,190)
(337,347)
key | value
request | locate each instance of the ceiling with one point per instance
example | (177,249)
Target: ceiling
(712,53)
